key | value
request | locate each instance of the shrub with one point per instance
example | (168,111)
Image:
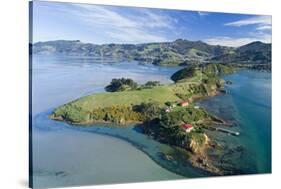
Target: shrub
(152,83)
(121,85)
(168,103)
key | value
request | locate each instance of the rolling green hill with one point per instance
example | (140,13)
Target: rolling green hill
(253,53)
(167,53)
(178,52)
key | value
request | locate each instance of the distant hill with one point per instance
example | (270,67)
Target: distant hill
(178,52)
(255,52)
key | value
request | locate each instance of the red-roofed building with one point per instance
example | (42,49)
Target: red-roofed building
(187,127)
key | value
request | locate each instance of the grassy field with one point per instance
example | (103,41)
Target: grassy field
(119,105)
(107,104)
(159,94)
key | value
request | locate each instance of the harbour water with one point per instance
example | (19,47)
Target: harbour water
(247,105)
(64,155)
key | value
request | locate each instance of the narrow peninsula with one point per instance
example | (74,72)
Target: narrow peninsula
(165,112)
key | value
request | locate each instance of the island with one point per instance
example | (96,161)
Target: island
(167,113)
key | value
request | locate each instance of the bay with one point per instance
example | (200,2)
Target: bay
(64,155)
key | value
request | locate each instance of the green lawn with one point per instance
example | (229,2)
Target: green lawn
(81,110)
(159,94)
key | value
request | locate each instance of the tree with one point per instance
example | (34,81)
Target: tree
(168,103)
(169,120)
(121,85)
(150,110)
(152,83)
(184,73)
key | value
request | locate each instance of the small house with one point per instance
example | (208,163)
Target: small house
(187,127)
(183,104)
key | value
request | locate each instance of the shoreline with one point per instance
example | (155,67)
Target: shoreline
(193,160)
(140,148)
(51,98)
(88,124)
(189,90)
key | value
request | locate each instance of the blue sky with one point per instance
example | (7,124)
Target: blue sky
(112,24)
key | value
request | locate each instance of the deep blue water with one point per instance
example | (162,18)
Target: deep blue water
(64,155)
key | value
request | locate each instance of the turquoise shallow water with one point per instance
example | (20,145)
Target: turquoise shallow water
(64,155)
(248,105)
(252,97)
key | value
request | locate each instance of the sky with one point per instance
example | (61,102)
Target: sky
(101,24)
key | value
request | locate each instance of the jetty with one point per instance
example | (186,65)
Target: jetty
(228,131)
(236,133)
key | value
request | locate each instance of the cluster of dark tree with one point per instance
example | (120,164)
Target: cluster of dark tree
(187,72)
(72,114)
(167,127)
(150,84)
(150,110)
(145,111)
(125,84)
(120,114)
(208,70)
(122,84)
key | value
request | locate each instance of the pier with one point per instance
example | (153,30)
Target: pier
(236,133)
(228,131)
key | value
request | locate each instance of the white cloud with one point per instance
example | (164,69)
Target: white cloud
(261,33)
(236,42)
(259,20)
(124,28)
(268,27)
(153,20)
(228,41)
(262,22)
(136,36)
